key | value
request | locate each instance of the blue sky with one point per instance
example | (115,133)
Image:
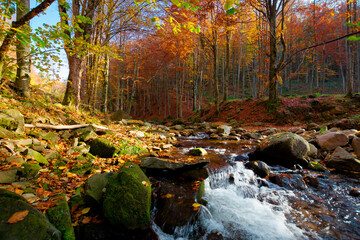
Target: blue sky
(50,17)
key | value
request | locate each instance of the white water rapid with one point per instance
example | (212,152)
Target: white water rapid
(240,210)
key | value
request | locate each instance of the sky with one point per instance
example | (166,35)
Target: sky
(51,17)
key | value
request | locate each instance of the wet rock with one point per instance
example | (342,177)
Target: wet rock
(128,198)
(312,151)
(95,187)
(223,130)
(312,180)
(163,167)
(330,141)
(103,148)
(4,133)
(174,205)
(231,179)
(285,149)
(313,126)
(8,176)
(356,146)
(243,157)
(12,120)
(260,168)
(355,192)
(342,160)
(34,226)
(288,181)
(249,135)
(60,217)
(350,132)
(198,152)
(36,156)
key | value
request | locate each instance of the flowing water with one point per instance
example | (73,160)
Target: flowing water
(243,206)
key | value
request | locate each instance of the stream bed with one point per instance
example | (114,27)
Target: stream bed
(240,205)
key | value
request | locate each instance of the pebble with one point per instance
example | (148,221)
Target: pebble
(355,192)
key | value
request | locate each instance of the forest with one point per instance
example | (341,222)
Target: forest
(165,59)
(179,119)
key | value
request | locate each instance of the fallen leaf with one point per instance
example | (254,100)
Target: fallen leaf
(86,220)
(145,183)
(18,216)
(85,210)
(19,191)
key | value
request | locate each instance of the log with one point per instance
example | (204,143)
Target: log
(65,127)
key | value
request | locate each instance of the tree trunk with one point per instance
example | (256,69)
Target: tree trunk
(273,55)
(22,81)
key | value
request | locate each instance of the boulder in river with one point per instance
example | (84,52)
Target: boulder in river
(285,149)
(289,181)
(259,167)
(191,170)
(330,141)
(356,146)
(34,225)
(198,152)
(128,198)
(223,130)
(343,160)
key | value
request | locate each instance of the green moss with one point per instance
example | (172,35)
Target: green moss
(36,156)
(7,194)
(60,217)
(128,198)
(201,192)
(30,170)
(81,168)
(33,226)
(316,166)
(103,148)
(8,123)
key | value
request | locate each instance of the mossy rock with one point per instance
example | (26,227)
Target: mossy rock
(4,133)
(52,137)
(12,119)
(313,165)
(34,226)
(82,167)
(77,197)
(128,198)
(60,217)
(30,170)
(103,148)
(36,156)
(126,148)
(198,152)
(95,187)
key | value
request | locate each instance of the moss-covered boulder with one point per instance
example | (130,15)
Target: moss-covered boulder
(60,217)
(34,226)
(8,176)
(103,148)
(127,148)
(12,119)
(51,137)
(198,152)
(128,198)
(285,149)
(4,133)
(36,156)
(95,187)
(30,170)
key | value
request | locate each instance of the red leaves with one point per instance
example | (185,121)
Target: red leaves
(18,216)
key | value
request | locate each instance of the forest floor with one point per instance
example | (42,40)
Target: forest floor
(290,111)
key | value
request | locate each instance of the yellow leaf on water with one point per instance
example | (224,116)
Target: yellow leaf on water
(85,210)
(18,216)
(196,205)
(170,195)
